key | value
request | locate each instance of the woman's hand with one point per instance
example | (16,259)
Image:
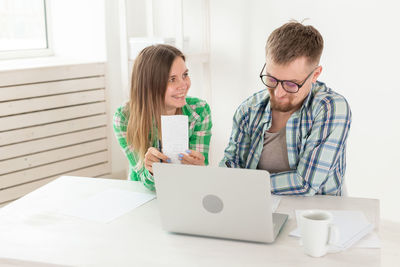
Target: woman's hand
(153,155)
(192,157)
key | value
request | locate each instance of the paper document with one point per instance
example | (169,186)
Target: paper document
(175,136)
(371,240)
(275,200)
(107,205)
(353,227)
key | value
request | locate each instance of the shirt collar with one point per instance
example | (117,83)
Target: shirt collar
(267,116)
(190,111)
(306,101)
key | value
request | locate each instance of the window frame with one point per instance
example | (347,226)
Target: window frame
(28,53)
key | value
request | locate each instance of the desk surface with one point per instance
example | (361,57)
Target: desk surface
(31,229)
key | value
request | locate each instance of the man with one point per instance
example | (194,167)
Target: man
(297,128)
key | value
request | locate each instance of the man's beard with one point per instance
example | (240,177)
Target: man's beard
(282,107)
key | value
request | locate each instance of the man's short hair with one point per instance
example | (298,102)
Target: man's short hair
(294,40)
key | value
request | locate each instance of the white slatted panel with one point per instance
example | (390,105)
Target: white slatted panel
(51,169)
(42,117)
(16,192)
(50,88)
(43,158)
(47,74)
(50,102)
(53,122)
(53,142)
(20,135)
(5,203)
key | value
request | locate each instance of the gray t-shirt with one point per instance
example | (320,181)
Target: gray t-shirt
(274,156)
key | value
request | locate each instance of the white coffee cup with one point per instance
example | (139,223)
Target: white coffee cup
(317,232)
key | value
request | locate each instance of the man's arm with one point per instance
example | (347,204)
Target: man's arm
(239,143)
(322,161)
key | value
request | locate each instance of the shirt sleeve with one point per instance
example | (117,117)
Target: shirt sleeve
(239,142)
(321,161)
(201,136)
(120,123)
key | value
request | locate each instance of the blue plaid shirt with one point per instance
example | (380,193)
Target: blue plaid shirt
(316,137)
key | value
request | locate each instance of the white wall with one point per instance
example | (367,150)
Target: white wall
(93,30)
(78,29)
(117,75)
(360,61)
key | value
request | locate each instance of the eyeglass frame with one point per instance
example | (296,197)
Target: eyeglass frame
(281,81)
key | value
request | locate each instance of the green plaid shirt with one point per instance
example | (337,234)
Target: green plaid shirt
(316,137)
(199,117)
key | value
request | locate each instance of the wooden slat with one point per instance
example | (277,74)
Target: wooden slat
(48,116)
(43,158)
(49,102)
(65,166)
(54,73)
(13,193)
(6,203)
(44,144)
(26,134)
(50,88)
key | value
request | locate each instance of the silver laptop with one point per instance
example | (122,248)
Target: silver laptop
(216,202)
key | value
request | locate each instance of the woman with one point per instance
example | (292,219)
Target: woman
(160,82)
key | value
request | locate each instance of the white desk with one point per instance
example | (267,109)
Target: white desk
(31,229)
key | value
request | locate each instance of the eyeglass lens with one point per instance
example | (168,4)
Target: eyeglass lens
(273,83)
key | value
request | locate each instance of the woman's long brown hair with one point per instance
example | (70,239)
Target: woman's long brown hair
(150,76)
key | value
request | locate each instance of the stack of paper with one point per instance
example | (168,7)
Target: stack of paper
(107,205)
(352,225)
(275,200)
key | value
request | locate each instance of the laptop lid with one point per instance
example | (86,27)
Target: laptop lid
(213,201)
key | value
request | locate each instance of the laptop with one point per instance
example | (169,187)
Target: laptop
(216,202)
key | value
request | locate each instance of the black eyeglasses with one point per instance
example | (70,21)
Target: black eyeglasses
(288,86)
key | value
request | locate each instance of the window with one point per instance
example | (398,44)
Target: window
(24,30)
